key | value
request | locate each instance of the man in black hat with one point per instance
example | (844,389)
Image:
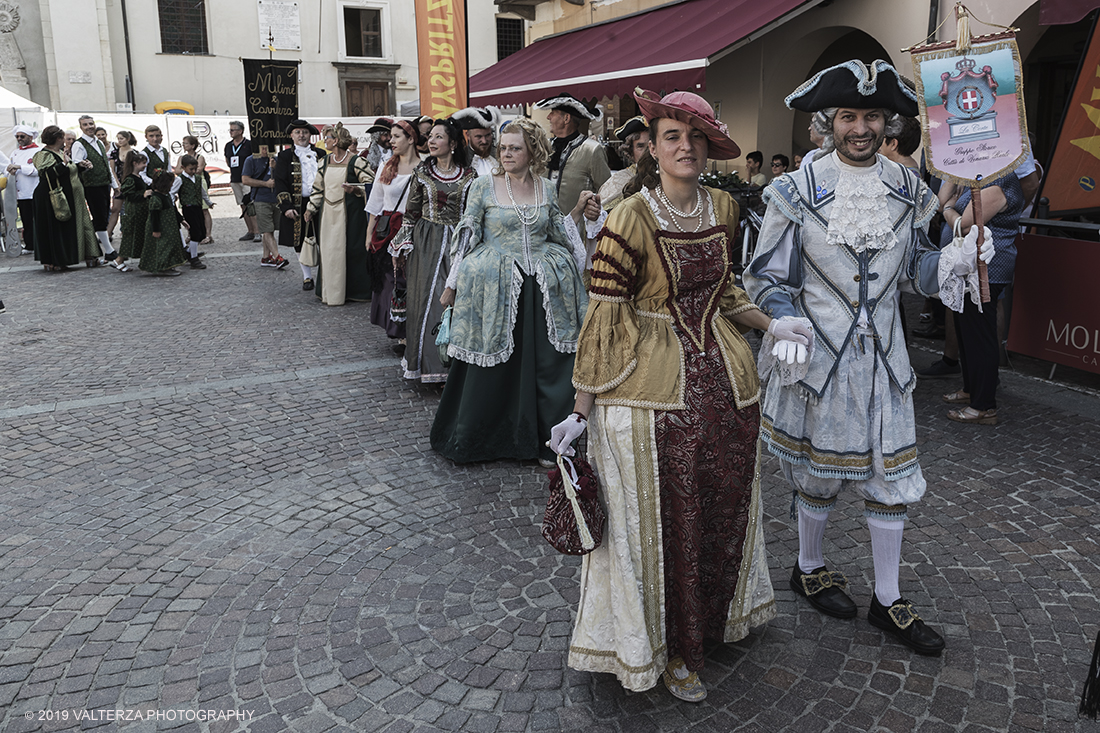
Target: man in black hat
(295,169)
(840,236)
(577,163)
(634,135)
(481,125)
(379,151)
(424,123)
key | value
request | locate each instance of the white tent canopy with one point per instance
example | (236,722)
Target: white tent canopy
(8,98)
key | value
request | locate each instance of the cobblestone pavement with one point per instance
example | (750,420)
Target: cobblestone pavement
(217,494)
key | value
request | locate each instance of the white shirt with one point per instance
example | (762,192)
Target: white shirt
(149,181)
(26,178)
(484,166)
(308,159)
(385,196)
(80,153)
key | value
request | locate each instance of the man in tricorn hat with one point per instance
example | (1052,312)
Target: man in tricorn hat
(840,236)
(480,125)
(577,163)
(634,135)
(295,169)
(379,150)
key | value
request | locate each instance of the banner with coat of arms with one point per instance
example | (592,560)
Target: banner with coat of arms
(972,108)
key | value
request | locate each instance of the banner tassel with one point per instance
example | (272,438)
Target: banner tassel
(962,38)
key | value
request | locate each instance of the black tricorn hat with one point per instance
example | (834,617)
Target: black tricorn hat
(301,125)
(631,126)
(382,124)
(855,85)
(567,102)
(478,118)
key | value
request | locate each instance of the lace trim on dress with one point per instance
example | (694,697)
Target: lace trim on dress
(856,218)
(402,243)
(488,360)
(460,244)
(590,389)
(728,360)
(654,207)
(560,345)
(580,249)
(593,295)
(740,309)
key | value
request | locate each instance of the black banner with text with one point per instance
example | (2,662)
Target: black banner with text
(271,98)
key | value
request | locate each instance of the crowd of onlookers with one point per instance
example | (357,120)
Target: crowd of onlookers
(76,189)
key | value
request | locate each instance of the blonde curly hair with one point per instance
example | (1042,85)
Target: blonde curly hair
(344,139)
(534,138)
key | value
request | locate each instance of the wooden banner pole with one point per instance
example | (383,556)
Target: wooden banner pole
(979,221)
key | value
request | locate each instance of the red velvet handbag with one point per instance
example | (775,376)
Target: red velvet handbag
(574,519)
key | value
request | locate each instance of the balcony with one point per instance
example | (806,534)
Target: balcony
(526,8)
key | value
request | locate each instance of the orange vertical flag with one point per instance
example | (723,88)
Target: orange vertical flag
(1073,182)
(441,53)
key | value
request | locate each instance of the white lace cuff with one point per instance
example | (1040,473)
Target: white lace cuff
(452,278)
(954,287)
(402,243)
(787,374)
(580,251)
(592,229)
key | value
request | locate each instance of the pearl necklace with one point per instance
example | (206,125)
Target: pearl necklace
(446,176)
(696,213)
(528,214)
(341,160)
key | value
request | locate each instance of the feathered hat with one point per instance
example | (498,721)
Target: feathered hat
(568,103)
(479,118)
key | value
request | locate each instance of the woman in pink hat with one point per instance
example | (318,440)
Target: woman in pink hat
(668,387)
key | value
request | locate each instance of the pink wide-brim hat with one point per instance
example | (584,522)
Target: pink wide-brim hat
(693,110)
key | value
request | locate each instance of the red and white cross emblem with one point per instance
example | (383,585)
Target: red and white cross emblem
(969,100)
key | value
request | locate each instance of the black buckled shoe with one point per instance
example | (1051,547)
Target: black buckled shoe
(905,625)
(824,590)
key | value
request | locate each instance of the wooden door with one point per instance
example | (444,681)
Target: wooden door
(367,99)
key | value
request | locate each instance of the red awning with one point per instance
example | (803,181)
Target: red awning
(662,49)
(1057,12)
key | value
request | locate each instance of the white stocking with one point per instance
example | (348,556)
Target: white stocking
(105,245)
(886,549)
(811,529)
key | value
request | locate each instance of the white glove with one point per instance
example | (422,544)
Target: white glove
(565,432)
(791,340)
(969,260)
(789,351)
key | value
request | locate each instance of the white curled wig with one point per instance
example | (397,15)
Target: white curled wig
(822,122)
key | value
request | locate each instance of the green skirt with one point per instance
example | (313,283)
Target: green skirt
(507,411)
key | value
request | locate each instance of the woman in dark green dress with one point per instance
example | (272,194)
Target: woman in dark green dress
(61,244)
(163,249)
(519,300)
(133,192)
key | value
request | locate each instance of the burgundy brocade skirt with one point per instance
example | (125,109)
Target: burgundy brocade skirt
(706,462)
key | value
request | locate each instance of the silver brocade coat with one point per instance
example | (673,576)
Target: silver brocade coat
(796,272)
